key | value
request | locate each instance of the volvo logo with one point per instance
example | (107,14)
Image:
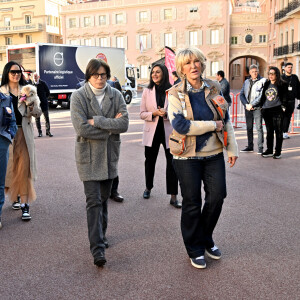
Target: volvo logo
(58,58)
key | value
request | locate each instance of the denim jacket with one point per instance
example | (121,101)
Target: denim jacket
(8,127)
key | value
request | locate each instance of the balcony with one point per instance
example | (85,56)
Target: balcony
(3,49)
(22,28)
(287,49)
(292,7)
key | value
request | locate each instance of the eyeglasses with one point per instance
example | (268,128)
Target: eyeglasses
(271,73)
(97,75)
(15,72)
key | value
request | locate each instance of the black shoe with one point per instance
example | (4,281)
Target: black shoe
(117,198)
(106,244)
(49,134)
(247,149)
(260,151)
(198,262)
(100,260)
(146,194)
(298,107)
(16,205)
(25,213)
(267,153)
(277,155)
(213,252)
(176,203)
(40,134)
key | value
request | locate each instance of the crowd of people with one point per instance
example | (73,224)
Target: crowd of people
(190,119)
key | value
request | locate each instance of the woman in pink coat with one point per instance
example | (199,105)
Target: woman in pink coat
(157,129)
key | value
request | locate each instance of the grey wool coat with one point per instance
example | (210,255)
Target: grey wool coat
(97,147)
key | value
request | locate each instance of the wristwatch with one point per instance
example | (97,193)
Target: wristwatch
(215,125)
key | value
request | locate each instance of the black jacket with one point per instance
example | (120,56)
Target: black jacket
(292,81)
(43,93)
(282,93)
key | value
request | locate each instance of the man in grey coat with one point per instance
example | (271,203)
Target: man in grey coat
(99,115)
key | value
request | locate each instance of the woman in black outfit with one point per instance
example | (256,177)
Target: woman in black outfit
(273,103)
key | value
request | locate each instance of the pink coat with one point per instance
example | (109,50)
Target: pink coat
(148,106)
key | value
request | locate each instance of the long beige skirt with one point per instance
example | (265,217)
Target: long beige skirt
(21,182)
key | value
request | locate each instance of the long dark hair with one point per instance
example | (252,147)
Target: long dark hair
(278,81)
(5,78)
(165,83)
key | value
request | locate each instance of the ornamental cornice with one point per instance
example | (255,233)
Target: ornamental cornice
(143,59)
(143,30)
(120,32)
(215,25)
(193,26)
(213,55)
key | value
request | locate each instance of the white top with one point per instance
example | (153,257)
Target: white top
(99,93)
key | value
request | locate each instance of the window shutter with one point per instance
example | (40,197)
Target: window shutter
(108,41)
(68,23)
(187,37)
(114,41)
(200,38)
(221,33)
(208,68)
(137,41)
(113,20)
(257,38)
(137,17)
(125,18)
(208,36)
(162,40)
(97,42)
(92,21)
(126,42)
(174,39)
(174,13)
(221,65)
(162,14)
(149,15)
(107,19)
(94,42)
(77,22)
(149,41)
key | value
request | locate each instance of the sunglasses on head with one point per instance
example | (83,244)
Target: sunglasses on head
(15,72)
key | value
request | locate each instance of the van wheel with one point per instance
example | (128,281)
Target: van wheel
(128,97)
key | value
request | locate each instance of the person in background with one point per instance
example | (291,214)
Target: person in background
(175,77)
(273,103)
(27,75)
(43,93)
(8,129)
(117,84)
(22,162)
(252,90)
(225,86)
(157,129)
(192,113)
(292,94)
(99,115)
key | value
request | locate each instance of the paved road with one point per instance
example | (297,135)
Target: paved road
(258,233)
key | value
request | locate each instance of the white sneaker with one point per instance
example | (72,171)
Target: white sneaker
(286,135)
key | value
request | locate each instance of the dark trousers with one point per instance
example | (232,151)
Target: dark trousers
(274,123)
(114,187)
(47,122)
(287,115)
(254,116)
(197,225)
(150,161)
(97,193)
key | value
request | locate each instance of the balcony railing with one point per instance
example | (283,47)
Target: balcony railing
(26,28)
(283,13)
(287,49)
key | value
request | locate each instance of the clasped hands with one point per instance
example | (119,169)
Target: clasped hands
(249,107)
(91,121)
(161,112)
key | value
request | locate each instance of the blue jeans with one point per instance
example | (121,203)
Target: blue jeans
(4,144)
(254,115)
(197,225)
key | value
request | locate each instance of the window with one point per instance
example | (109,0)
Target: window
(86,21)
(214,67)
(292,36)
(8,40)
(120,42)
(168,39)
(262,38)
(103,42)
(143,16)
(144,71)
(234,40)
(236,69)
(143,40)
(73,42)
(193,9)
(6,21)
(72,23)
(214,37)
(87,42)
(193,38)
(119,19)
(27,19)
(168,14)
(102,20)
(28,39)
(281,39)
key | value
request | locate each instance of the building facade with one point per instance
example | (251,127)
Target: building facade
(145,27)
(24,21)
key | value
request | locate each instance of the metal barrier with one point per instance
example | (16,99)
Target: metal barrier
(237,113)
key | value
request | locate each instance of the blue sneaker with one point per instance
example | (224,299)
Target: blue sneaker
(213,252)
(198,262)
